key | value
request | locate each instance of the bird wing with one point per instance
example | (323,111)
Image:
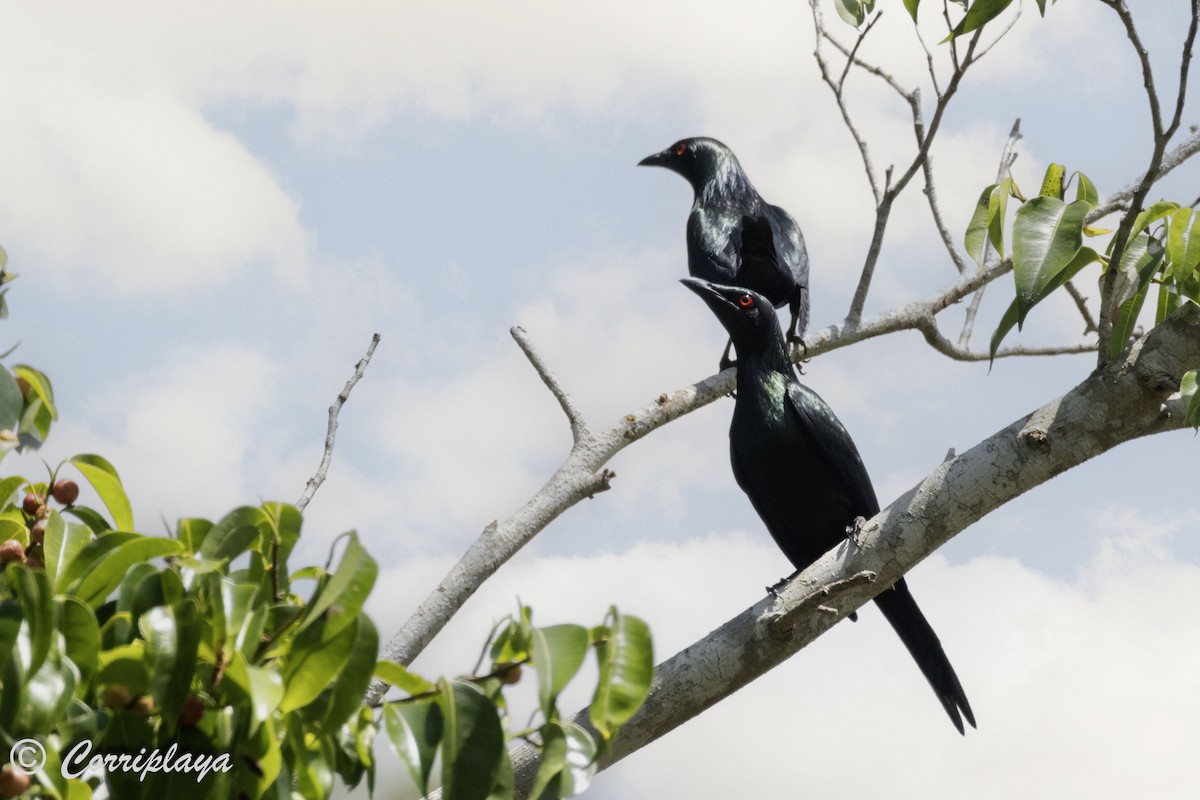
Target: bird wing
(833,441)
(789,244)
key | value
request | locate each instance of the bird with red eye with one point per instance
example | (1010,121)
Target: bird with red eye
(734,236)
(745,301)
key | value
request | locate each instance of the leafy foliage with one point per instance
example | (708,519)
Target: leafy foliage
(205,645)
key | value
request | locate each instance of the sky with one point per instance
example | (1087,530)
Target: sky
(212,207)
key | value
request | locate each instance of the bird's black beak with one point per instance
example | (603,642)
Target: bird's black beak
(658,159)
(724,307)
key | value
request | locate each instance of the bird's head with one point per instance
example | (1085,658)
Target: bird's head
(747,316)
(700,160)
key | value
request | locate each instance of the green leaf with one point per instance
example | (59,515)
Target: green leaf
(558,652)
(1183,243)
(191,531)
(62,545)
(285,522)
(343,595)
(473,743)
(851,11)
(90,517)
(626,668)
(313,663)
(39,387)
(979,14)
(911,6)
(1047,239)
(1168,302)
(398,675)
(172,635)
(568,762)
(47,693)
(1151,255)
(104,573)
(1148,216)
(125,665)
(236,532)
(1052,182)
(12,404)
(987,223)
(1085,190)
(33,591)
(1187,393)
(1085,256)
(81,636)
(104,479)
(10,626)
(355,676)
(8,487)
(415,731)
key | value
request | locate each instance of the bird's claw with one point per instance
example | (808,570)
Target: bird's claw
(854,531)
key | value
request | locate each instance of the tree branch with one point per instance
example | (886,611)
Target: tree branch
(1128,399)
(314,483)
(579,429)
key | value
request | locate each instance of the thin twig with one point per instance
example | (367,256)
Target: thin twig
(579,429)
(1162,137)
(931,193)
(1089,323)
(928,326)
(318,478)
(857,43)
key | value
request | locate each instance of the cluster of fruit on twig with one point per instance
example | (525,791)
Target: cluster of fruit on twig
(65,492)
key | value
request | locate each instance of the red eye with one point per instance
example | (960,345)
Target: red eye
(745,301)
(680,149)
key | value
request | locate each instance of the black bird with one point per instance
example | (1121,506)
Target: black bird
(803,474)
(725,206)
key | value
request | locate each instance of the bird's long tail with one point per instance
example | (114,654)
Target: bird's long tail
(900,609)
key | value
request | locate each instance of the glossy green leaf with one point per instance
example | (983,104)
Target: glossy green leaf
(266,691)
(340,600)
(355,676)
(473,743)
(172,636)
(90,517)
(1148,216)
(558,651)
(47,693)
(398,675)
(980,13)
(1047,239)
(105,573)
(33,592)
(313,663)
(1085,256)
(40,387)
(81,636)
(415,731)
(1183,243)
(104,479)
(236,532)
(10,626)
(987,223)
(284,522)
(568,762)
(1187,393)
(12,404)
(626,667)
(35,424)
(851,11)
(9,487)
(126,665)
(191,531)
(62,545)
(1085,190)
(911,7)
(1149,258)
(1052,182)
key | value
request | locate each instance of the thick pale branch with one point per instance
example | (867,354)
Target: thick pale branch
(1128,399)
(319,476)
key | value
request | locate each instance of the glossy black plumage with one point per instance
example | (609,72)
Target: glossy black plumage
(799,467)
(725,206)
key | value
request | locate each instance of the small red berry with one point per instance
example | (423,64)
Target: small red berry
(143,706)
(66,491)
(192,711)
(116,697)
(13,781)
(11,550)
(32,503)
